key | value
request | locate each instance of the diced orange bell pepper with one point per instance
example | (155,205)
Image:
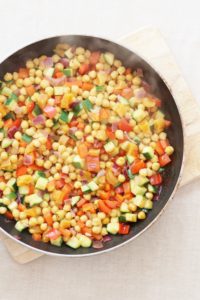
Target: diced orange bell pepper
(87,86)
(93,164)
(104,114)
(48,219)
(82,150)
(89,207)
(104,195)
(30,90)
(127,93)
(159,148)
(22,170)
(137,165)
(81,202)
(87,231)
(103,207)
(23,73)
(112,204)
(126,187)
(36,237)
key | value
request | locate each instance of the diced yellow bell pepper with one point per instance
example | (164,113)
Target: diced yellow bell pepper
(114,152)
(57,197)
(132,149)
(6,165)
(42,100)
(31,212)
(159,125)
(121,85)
(144,127)
(102,77)
(94,116)
(3,110)
(121,109)
(24,180)
(66,100)
(94,152)
(29,148)
(110,177)
(148,103)
(65,224)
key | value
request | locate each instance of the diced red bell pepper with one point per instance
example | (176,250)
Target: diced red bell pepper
(156,179)
(167,123)
(84,69)
(94,57)
(16,123)
(124,125)
(124,228)
(30,106)
(50,111)
(127,93)
(53,234)
(110,133)
(157,102)
(59,183)
(9,215)
(164,160)
(119,190)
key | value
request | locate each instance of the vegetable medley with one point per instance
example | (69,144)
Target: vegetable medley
(83,147)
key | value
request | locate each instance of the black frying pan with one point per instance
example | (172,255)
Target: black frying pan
(169,107)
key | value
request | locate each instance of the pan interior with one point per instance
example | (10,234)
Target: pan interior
(175,132)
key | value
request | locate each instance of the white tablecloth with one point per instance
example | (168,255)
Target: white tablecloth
(164,263)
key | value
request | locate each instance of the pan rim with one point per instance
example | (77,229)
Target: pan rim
(33,248)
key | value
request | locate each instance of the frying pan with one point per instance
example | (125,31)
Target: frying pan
(175,133)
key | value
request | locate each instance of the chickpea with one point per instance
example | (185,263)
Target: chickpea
(105,103)
(87,129)
(47,164)
(121,178)
(4,155)
(3,210)
(8,77)
(27,82)
(169,150)
(90,139)
(72,176)
(120,161)
(119,134)
(141,215)
(79,134)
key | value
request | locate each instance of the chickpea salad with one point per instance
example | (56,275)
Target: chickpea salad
(83,147)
